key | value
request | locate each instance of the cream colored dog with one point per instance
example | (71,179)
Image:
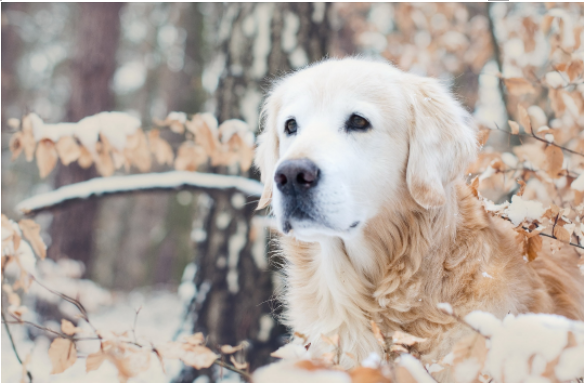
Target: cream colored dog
(363,165)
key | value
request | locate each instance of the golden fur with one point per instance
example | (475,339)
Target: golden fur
(430,242)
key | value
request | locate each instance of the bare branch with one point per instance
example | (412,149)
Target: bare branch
(14,347)
(540,139)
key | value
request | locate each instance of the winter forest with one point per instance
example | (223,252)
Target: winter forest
(132,249)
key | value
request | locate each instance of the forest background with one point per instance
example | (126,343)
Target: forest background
(170,256)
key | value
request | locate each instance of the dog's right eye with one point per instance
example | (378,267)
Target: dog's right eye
(290,127)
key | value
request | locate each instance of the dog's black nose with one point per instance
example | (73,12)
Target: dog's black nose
(298,174)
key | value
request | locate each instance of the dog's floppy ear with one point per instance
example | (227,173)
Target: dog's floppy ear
(442,141)
(267,150)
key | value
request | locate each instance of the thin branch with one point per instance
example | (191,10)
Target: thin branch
(533,135)
(14,347)
(230,367)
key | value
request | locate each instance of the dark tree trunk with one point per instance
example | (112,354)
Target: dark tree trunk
(235,293)
(11,48)
(92,69)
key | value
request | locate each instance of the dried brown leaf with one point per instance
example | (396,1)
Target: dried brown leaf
(575,69)
(534,246)
(514,127)
(228,349)
(94,361)
(518,86)
(554,161)
(68,150)
(199,357)
(399,337)
(85,159)
(524,119)
(63,354)
(16,145)
(162,150)
(190,156)
(46,157)
(68,328)
(562,233)
(32,232)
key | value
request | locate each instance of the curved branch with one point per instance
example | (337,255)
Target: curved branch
(141,182)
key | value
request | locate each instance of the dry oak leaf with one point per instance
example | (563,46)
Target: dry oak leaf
(524,119)
(10,238)
(137,151)
(228,349)
(204,127)
(85,159)
(94,361)
(199,357)
(514,127)
(63,354)
(68,150)
(518,86)
(561,233)
(68,328)
(190,156)
(104,162)
(406,339)
(46,157)
(575,69)
(160,148)
(554,161)
(32,232)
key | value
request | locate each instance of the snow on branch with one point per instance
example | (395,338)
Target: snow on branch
(121,184)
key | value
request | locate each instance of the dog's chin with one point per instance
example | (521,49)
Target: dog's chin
(312,230)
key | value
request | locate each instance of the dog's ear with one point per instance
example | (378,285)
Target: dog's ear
(442,141)
(267,149)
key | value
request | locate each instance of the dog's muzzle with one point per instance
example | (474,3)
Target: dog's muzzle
(296,179)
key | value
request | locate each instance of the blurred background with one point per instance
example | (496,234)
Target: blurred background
(66,61)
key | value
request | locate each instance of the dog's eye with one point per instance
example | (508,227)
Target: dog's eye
(290,127)
(357,123)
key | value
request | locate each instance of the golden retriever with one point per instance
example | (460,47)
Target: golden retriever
(363,166)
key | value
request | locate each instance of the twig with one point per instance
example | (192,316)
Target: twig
(14,347)
(230,367)
(540,139)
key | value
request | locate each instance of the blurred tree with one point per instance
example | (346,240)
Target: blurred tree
(255,42)
(92,69)
(11,47)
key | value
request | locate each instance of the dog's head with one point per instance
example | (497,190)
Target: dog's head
(344,137)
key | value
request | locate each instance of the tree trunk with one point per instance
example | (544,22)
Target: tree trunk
(92,70)
(234,300)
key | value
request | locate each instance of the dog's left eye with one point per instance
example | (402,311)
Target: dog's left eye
(357,123)
(290,127)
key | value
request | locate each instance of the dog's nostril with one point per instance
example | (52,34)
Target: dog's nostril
(280,179)
(306,177)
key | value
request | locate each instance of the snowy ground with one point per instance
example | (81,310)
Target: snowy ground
(158,320)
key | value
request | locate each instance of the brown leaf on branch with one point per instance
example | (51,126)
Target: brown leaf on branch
(68,150)
(68,328)
(9,235)
(575,69)
(94,361)
(190,156)
(514,127)
(63,354)
(46,157)
(554,161)
(104,162)
(524,119)
(518,86)
(204,127)
(406,339)
(16,145)
(199,357)
(160,148)
(534,246)
(32,232)
(137,151)
(85,159)
(562,233)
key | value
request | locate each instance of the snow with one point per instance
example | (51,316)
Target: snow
(577,184)
(116,126)
(517,339)
(416,369)
(520,210)
(116,184)
(445,307)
